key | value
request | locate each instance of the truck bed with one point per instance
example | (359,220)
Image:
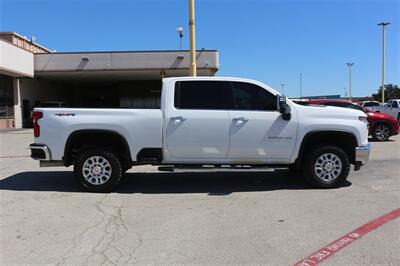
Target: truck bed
(142,128)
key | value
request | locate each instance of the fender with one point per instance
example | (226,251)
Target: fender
(326,136)
(67,150)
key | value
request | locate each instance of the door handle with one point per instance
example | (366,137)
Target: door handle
(178,119)
(240,120)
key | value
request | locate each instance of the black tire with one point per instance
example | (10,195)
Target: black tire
(381,132)
(113,168)
(293,169)
(310,163)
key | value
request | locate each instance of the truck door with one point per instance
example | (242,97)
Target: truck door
(258,132)
(196,122)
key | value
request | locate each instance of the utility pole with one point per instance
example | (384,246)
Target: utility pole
(350,65)
(193,68)
(383,24)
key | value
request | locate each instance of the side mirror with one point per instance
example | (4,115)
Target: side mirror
(284,108)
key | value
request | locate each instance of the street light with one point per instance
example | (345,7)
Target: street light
(350,65)
(383,24)
(180,31)
(283,89)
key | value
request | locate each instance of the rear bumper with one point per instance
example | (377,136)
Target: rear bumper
(362,154)
(40,152)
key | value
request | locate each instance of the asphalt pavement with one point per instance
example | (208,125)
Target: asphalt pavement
(194,218)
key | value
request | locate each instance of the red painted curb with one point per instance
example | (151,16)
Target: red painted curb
(345,240)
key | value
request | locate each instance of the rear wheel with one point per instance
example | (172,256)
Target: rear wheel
(98,170)
(326,167)
(381,132)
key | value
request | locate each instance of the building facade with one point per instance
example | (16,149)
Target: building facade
(32,75)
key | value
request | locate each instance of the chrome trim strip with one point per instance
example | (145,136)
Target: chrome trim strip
(362,153)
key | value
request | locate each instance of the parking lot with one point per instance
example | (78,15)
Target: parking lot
(193,218)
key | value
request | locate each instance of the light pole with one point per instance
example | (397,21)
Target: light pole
(383,24)
(180,31)
(282,88)
(301,86)
(193,69)
(350,65)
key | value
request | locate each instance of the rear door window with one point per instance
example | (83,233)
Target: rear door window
(197,94)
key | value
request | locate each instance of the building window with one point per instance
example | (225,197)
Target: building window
(6,97)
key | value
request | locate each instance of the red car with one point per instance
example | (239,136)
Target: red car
(381,126)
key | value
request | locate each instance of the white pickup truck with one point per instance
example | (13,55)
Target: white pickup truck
(392,107)
(205,123)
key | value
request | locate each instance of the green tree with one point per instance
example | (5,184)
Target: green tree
(391,92)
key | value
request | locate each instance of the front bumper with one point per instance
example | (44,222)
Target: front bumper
(362,154)
(40,152)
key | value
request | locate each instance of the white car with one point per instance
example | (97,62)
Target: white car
(374,106)
(208,124)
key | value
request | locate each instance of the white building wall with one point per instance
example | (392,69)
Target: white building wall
(35,90)
(15,61)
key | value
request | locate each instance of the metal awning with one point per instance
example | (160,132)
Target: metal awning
(133,65)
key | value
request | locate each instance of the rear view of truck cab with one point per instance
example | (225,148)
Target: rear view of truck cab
(204,124)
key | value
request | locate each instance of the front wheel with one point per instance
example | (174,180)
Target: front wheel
(98,170)
(326,167)
(381,132)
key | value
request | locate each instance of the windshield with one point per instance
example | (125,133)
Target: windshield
(371,104)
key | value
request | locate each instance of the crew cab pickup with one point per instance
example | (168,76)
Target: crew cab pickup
(392,108)
(208,124)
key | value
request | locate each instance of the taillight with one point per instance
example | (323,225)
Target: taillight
(36,127)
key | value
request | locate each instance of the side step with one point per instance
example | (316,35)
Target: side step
(216,168)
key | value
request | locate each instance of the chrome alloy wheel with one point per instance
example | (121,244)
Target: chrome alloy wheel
(328,166)
(96,170)
(382,132)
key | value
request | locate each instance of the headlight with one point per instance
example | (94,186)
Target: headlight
(363,119)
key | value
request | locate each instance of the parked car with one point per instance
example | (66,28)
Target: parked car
(374,106)
(205,123)
(381,126)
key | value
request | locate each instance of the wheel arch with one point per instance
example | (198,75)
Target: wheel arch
(92,138)
(343,139)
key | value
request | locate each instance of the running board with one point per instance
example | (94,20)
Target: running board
(213,168)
